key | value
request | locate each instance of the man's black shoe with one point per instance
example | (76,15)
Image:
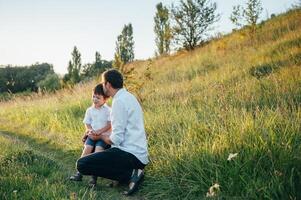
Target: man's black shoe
(93,181)
(135,181)
(76,177)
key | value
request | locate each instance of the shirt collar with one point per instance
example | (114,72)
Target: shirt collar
(101,107)
(119,92)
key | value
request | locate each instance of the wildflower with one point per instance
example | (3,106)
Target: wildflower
(73,196)
(278,173)
(213,190)
(232,155)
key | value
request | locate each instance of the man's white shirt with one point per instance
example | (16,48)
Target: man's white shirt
(128,132)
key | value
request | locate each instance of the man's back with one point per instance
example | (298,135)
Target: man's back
(128,133)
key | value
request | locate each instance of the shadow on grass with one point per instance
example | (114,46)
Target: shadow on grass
(266,69)
(46,147)
(204,69)
(41,170)
(285,47)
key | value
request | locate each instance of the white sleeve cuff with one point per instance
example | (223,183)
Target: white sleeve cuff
(115,139)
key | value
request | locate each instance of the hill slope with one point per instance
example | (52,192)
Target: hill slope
(238,94)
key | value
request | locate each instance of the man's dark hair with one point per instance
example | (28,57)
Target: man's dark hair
(99,90)
(114,77)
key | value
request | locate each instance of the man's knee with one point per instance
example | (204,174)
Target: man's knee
(81,165)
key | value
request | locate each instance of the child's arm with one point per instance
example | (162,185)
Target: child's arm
(88,127)
(88,130)
(104,129)
(103,137)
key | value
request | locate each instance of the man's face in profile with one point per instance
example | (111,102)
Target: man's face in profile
(105,85)
(105,90)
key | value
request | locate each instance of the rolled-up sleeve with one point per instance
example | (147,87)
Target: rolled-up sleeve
(118,120)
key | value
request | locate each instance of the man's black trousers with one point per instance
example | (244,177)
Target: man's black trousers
(111,163)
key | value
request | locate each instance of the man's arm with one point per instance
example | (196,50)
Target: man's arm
(119,122)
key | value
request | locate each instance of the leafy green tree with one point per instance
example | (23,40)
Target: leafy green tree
(162,29)
(124,47)
(3,80)
(95,69)
(50,83)
(118,63)
(66,78)
(252,12)
(236,16)
(125,54)
(98,65)
(296,5)
(87,71)
(192,19)
(247,16)
(97,57)
(74,68)
(23,78)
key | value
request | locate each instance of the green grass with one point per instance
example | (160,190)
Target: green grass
(34,169)
(238,94)
(28,174)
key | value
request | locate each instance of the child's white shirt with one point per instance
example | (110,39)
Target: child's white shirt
(98,117)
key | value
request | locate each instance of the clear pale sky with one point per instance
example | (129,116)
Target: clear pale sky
(47,30)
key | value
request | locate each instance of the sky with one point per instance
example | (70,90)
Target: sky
(34,31)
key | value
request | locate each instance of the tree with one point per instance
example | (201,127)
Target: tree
(253,11)
(162,29)
(95,69)
(23,78)
(236,16)
(296,5)
(74,68)
(50,83)
(247,16)
(192,19)
(124,47)
(97,57)
(100,65)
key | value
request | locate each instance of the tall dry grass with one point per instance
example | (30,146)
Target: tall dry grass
(238,94)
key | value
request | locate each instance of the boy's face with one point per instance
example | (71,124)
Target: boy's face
(98,100)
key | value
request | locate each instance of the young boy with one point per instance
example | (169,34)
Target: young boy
(97,121)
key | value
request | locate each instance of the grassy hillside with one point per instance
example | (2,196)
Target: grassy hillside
(238,94)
